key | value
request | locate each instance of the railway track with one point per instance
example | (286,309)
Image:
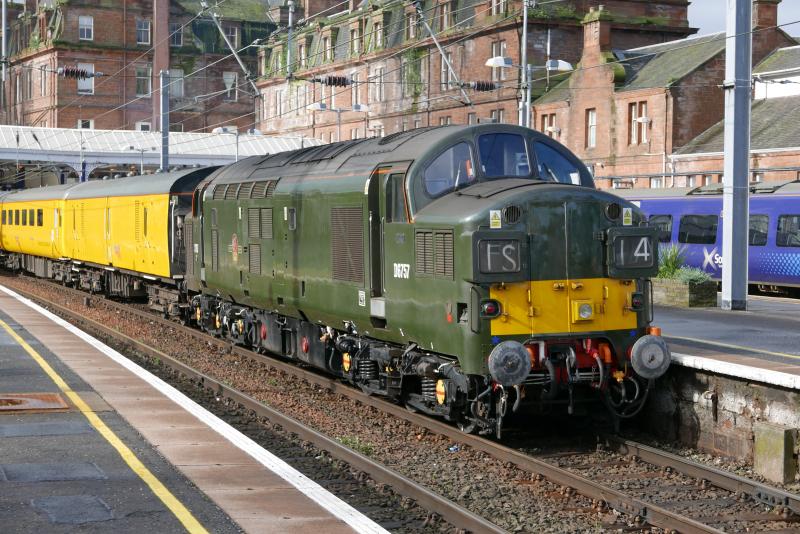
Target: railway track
(652,487)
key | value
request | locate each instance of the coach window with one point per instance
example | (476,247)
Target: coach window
(698,229)
(40,217)
(4,217)
(503,155)
(30,217)
(759,226)
(16,217)
(663,223)
(452,169)
(24,217)
(788,231)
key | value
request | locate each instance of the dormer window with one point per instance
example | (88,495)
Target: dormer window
(377,35)
(355,41)
(327,48)
(411,25)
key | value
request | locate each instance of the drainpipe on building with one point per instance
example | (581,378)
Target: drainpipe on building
(160,55)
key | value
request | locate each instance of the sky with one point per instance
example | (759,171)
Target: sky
(709,15)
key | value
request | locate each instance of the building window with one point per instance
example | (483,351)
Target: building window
(691,181)
(86,86)
(549,125)
(231,81)
(445,75)
(377,35)
(497,116)
(758,177)
(278,103)
(591,128)
(353,133)
(405,87)
(355,93)
(142,126)
(85,124)
(142,32)
(176,127)
(472,118)
(498,7)
(447,14)
(498,49)
(638,123)
(29,85)
(411,26)
(85,28)
(176,82)
(355,41)
(417,123)
(655,183)
(327,49)
(445,121)
(43,80)
(706,179)
(379,130)
(302,55)
(232,33)
(377,87)
(175,34)
(144,81)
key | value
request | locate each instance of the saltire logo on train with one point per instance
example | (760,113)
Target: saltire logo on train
(711,259)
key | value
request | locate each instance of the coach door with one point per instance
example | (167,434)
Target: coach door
(387,231)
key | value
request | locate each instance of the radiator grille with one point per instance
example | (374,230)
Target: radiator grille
(424,249)
(253,223)
(189,247)
(219,192)
(255,259)
(259,190)
(231,191)
(244,190)
(266,223)
(443,254)
(137,220)
(347,244)
(214,250)
(271,188)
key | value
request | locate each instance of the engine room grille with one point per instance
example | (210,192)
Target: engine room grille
(255,259)
(259,190)
(189,248)
(271,188)
(231,191)
(214,250)
(434,253)
(244,190)
(219,192)
(253,223)
(266,223)
(347,244)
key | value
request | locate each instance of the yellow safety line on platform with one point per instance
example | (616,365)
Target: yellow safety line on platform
(735,347)
(179,510)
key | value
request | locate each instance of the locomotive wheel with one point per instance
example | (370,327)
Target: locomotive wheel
(467,425)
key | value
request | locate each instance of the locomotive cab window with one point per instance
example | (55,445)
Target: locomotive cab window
(788,231)
(395,199)
(759,227)
(663,223)
(552,166)
(698,229)
(452,169)
(503,155)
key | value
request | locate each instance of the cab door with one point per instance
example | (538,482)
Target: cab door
(390,239)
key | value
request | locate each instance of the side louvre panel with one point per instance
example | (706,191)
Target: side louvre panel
(189,248)
(253,223)
(423,245)
(259,190)
(443,254)
(231,191)
(347,244)
(266,223)
(214,250)
(219,192)
(255,259)
(245,190)
(271,188)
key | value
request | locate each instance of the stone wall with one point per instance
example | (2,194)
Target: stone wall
(669,292)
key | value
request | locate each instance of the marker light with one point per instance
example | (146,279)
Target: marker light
(490,309)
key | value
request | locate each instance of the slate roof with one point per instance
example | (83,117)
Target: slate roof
(775,123)
(244,10)
(781,59)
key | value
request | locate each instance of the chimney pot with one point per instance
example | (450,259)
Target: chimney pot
(601,7)
(591,9)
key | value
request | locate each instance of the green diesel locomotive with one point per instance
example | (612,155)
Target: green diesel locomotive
(460,270)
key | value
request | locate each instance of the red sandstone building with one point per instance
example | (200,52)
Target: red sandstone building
(130,42)
(650,116)
(399,75)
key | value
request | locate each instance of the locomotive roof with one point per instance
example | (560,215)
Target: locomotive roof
(357,155)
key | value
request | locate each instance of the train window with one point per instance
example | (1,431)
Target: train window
(503,155)
(40,217)
(759,226)
(453,168)
(24,217)
(4,217)
(788,231)
(16,217)
(664,225)
(30,217)
(554,167)
(395,199)
(698,229)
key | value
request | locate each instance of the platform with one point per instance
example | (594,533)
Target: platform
(761,344)
(90,440)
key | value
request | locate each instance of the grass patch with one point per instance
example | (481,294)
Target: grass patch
(357,445)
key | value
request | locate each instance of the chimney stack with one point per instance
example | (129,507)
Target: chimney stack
(596,35)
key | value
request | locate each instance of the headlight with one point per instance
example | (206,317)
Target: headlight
(585,311)
(582,310)
(499,256)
